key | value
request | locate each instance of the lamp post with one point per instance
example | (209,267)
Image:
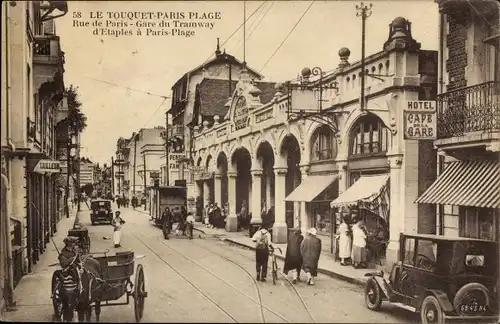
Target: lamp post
(364,12)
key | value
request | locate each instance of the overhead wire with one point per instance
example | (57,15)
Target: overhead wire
(288,35)
(128,88)
(238,45)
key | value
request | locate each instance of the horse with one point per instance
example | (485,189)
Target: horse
(68,297)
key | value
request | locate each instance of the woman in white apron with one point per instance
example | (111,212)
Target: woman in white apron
(117,224)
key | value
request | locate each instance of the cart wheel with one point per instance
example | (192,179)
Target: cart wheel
(139,293)
(87,244)
(56,303)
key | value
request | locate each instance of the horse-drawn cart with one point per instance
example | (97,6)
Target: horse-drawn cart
(113,283)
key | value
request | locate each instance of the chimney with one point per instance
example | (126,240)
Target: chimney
(217,51)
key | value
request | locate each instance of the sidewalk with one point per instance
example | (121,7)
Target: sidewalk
(327,265)
(34,289)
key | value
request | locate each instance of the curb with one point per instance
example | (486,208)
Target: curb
(356,281)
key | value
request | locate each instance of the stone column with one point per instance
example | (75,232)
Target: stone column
(231,220)
(304,219)
(206,193)
(269,201)
(342,170)
(280,230)
(218,189)
(256,196)
(198,187)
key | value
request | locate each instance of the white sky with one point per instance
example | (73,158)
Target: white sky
(153,64)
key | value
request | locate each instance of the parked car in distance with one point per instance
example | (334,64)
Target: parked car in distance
(442,278)
(101,211)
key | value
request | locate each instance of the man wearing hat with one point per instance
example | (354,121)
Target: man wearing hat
(310,249)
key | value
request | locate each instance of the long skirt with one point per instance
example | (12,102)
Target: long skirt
(344,247)
(117,235)
(358,254)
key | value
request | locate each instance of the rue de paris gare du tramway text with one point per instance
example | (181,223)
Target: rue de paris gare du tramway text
(115,23)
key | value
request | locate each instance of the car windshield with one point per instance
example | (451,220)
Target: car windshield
(100,204)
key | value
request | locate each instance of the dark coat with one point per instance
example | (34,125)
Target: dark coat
(293,257)
(310,248)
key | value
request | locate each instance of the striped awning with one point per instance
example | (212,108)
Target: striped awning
(311,187)
(466,183)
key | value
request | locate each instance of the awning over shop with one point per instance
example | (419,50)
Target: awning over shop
(311,187)
(370,192)
(466,183)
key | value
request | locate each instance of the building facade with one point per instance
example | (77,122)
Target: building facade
(87,172)
(214,81)
(467,193)
(32,93)
(260,156)
(129,161)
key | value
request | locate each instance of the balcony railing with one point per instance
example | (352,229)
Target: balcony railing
(469,109)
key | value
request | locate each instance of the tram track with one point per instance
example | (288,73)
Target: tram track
(257,302)
(281,274)
(256,285)
(185,279)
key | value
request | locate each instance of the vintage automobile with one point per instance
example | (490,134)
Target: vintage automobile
(100,210)
(442,278)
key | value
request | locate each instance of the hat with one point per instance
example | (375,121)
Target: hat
(312,231)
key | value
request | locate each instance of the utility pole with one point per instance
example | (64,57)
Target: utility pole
(112,176)
(364,12)
(68,169)
(78,170)
(144,168)
(167,167)
(135,158)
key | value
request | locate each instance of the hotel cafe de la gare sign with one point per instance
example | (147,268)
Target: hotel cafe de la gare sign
(420,120)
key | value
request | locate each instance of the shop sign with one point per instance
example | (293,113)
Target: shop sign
(240,117)
(201,173)
(154,175)
(47,166)
(264,116)
(420,120)
(173,160)
(222,132)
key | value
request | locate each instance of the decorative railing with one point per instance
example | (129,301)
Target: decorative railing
(469,109)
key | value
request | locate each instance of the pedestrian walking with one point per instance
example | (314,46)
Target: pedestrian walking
(117,224)
(190,225)
(310,248)
(205,215)
(344,242)
(293,257)
(358,245)
(262,239)
(210,213)
(166,218)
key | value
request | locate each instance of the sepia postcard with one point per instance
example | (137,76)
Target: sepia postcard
(250,161)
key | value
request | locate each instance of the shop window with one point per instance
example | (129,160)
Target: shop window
(369,136)
(323,147)
(477,223)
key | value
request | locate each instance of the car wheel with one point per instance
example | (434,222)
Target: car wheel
(373,296)
(471,299)
(431,312)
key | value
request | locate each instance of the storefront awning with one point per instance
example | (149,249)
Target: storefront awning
(366,190)
(311,187)
(466,183)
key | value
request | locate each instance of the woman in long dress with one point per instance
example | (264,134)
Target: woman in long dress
(310,249)
(358,245)
(344,242)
